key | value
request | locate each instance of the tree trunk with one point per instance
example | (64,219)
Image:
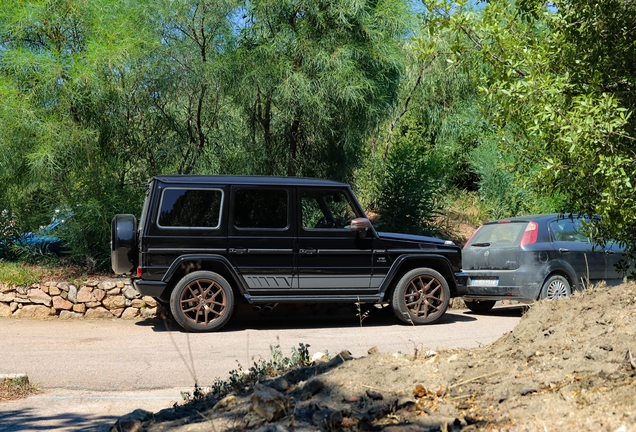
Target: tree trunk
(293,148)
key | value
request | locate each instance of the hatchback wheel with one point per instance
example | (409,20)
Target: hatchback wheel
(421,297)
(202,301)
(555,287)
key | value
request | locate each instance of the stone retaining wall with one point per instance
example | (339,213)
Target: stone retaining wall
(91,299)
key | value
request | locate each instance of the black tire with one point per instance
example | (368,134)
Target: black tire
(555,287)
(480,306)
(123,243)
(421,297)
(202,301)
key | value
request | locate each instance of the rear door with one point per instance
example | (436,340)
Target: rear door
(261,238)
(614,253)
(576,248)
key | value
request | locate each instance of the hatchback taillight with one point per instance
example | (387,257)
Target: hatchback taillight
(530,234)
(139,271)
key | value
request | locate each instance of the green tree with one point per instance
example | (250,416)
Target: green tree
(560,75)
(53,59)
(319,75)
(98,96)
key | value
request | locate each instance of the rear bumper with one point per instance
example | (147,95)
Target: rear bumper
(510,285)
(149,288)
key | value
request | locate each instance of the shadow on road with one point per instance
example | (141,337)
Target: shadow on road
(308,316)
(502,311)
(27,419)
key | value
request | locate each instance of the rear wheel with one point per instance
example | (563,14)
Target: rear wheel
(421,297)
(202,301)
(480,306)
(555,287)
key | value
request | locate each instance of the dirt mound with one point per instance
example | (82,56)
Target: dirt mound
(568,365)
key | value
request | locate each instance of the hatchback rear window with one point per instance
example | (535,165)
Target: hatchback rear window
(499,234)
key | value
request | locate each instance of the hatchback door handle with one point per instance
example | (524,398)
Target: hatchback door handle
(609,252)
(564,250)
(238,250)
(309,251)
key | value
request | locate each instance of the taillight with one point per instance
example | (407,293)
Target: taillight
(139,271)
(530,234)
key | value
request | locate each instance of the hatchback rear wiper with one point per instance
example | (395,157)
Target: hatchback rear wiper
(480,244)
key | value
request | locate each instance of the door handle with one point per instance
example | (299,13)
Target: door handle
(238,251)
(609,252)
(564,250)
(309,251)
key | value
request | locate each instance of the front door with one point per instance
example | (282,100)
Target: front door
(331,257)
(261,238)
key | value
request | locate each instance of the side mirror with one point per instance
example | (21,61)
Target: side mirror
(361,225)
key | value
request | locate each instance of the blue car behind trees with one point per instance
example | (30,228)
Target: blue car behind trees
(46,240)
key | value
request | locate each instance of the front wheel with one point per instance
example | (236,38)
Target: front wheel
(202,301)
(421,297)
(555,287)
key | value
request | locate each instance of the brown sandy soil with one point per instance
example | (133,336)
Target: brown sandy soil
(566,366)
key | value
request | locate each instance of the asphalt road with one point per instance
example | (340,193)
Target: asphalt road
(92,372)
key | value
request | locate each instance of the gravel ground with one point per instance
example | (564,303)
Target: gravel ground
(568,365)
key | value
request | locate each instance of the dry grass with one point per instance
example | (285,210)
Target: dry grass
(16,388)
(25,274)
(461,218)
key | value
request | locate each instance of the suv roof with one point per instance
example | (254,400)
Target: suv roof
(248,180)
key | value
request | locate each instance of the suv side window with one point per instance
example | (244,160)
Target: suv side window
(324,209)
(190,208)
(568,230)
(260,208)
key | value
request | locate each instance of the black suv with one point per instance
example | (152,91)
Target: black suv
(203,242)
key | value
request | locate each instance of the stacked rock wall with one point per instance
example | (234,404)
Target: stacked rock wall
(91,299)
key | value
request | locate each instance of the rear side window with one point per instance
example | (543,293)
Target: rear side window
(190,208)
(260,208)
(499,234)
(568,230)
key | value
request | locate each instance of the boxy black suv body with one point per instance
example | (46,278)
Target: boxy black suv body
(204,242)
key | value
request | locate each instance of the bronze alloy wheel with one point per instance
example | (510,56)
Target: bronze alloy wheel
(421,297)
(202,301)
(424,296)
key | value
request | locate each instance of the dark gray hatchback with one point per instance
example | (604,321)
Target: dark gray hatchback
(532,257)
